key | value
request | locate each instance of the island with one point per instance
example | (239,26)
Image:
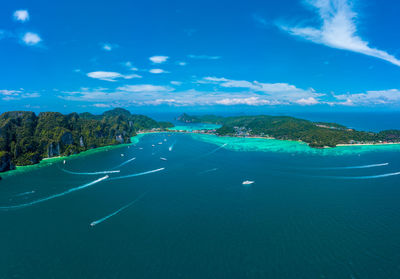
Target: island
(27,138)
(315,134)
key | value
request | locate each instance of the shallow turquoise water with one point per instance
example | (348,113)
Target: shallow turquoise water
(194,218)
(195,126)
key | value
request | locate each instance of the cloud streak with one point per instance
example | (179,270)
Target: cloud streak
(110,76)
(338,29)
(158,59)
(11,95)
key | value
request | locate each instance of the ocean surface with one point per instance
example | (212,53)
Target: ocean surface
(179,209)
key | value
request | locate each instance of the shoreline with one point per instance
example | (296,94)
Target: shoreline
(49,160)
(299,141)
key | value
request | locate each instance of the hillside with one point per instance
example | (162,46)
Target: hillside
(316,134)
(26,138)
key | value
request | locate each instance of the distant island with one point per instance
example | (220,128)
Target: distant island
(27,138)
(315,134)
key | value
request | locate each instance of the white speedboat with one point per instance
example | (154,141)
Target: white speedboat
(247,182)
(153,145)
(162,158)
(160,142)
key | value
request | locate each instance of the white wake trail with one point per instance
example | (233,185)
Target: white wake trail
(94,223)
(357,167)
(137,174)
(55,195)
(91,173)
(124,163)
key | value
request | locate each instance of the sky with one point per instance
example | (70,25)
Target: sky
(309,55)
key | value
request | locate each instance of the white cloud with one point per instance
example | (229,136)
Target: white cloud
(378,97)
(181,63)
(21,15)
(144,88)
(102,105)
(157,71)
(107,47)
(130,66)
(9,95)
(110,76)
(158,59)
(176,82)
(338,30)
(251,101)
(31,39)
(207,57)
(307,101)
(274,93)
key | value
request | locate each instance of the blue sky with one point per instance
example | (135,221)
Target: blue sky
(204,55)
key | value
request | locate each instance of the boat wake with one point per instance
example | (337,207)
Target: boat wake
(25,193)
(356,167)
(214,150)
(207,171)
(94,223)
(171,147)
(363,177)
(55,195)
(124,163)
(91,173)
(137,174)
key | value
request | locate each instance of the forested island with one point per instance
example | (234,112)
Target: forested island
(315,134)
(27,138)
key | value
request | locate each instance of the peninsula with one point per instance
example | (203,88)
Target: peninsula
(315,134)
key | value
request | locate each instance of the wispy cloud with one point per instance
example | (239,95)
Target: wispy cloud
(31,39)
(158,59)
(176,82)
(110,76)
(207,57)
(21,15)
(10,95)
(107,47)
(338,29)
(144,88)
(369,98)
(130,66)
(268,93)
(158,71)
(181,63)
(260,20)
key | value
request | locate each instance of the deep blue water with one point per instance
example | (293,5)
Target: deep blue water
(195,219)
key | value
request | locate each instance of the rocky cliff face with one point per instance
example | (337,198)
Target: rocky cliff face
(25,138)
(5,162)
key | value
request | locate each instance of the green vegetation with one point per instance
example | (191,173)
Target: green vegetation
(25,138)
(316,134)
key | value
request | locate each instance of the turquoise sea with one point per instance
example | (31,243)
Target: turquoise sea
(180,210)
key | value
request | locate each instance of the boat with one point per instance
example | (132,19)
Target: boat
(153,145)
(122,155)
(160,142)
(162,158)
(64,162)
(165,139)
(247,182)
